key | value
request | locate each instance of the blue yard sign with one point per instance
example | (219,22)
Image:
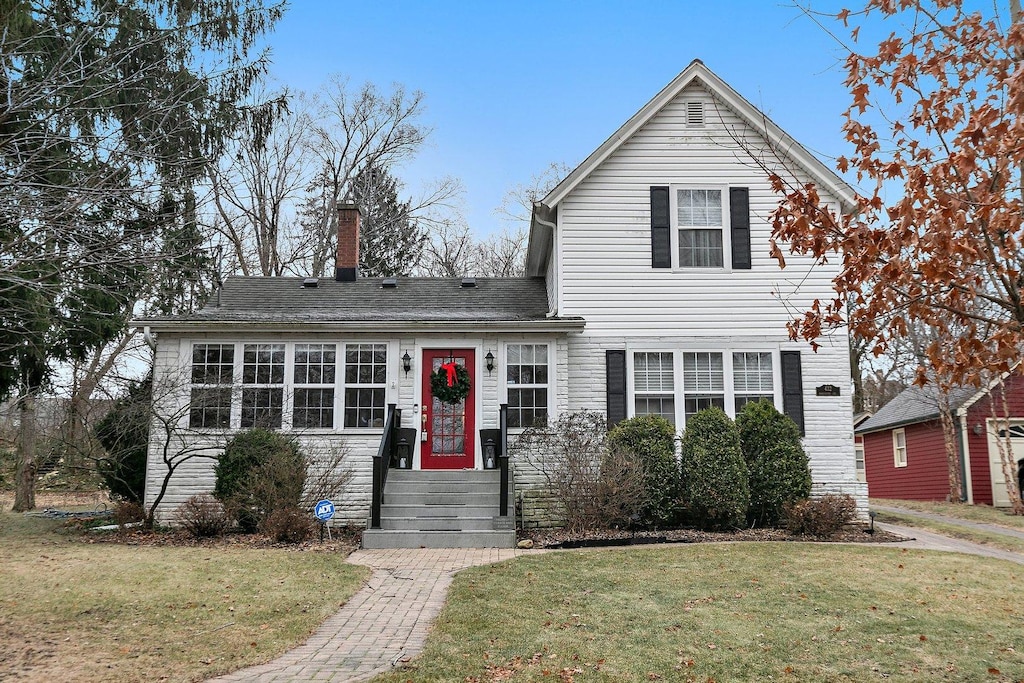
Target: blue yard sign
(324,510)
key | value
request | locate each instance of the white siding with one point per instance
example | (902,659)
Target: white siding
(604,237)
(169,436)
(603,253)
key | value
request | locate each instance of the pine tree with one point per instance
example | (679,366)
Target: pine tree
(391,239)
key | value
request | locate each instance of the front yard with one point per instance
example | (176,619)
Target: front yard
(71,610)
(730,612)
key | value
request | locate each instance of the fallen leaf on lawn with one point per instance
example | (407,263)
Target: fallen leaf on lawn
(922,638)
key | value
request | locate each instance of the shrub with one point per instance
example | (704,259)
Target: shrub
(777,468)
(651,440)
(260,471)
(567,454)
(714,476)
(821,517)
(124,435)
(128,512)
(287,525)
(203,516)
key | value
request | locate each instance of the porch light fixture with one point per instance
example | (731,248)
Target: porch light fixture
(490,362)
(406,363)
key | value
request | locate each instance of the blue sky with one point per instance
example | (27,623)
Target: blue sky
(513,86)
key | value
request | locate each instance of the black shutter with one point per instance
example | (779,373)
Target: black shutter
(661,236)
(615,371)
(793,388)
(739,219)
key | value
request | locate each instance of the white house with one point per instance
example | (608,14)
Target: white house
(649,290)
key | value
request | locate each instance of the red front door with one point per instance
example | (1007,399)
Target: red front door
(448,426)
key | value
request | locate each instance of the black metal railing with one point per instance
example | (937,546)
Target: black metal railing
(503,459)
(382,461)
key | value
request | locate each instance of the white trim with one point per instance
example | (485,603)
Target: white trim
(674,228)
(756,119)
(965,442)
(896,449)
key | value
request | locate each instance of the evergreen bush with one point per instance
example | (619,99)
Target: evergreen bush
(714,475)
(651,440)
(124,435)
(777,467)
(259,472)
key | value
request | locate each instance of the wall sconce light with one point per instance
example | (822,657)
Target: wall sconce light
(490,455)
(978,430)
(490,361)
(406,363)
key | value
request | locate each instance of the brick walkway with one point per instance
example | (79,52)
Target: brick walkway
(386,622)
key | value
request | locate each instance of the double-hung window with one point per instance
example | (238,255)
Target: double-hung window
(703,382)
(654,385)
(899,448)
(700,222)
(365,383)
(526,376)
(314,374)
(262,386)
(752,378)
(212,377)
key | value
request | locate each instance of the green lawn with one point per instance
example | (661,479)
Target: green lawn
(730,612)
(71,610)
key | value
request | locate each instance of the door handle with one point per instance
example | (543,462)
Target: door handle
(423,425)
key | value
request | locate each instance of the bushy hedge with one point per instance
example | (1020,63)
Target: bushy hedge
(650,440)
(124,435)
(822,517)
(259,472)
(714,475)
(777,466)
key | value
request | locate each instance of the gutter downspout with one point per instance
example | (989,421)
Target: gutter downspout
(963,445)
(149,337)
(552,254)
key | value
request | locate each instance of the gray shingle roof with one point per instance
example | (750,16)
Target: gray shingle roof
(912,405)
(285,300)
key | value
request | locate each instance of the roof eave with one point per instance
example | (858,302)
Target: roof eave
(737,103)
(543,220)
(896,425)
(549,325)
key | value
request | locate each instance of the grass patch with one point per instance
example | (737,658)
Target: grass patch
(727,612)
(77,611)
(972,513)
(989,538)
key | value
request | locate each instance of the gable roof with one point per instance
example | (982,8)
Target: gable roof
(915,404)
(698,72)
(275,302)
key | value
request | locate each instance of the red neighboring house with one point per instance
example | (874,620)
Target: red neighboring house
(905,455)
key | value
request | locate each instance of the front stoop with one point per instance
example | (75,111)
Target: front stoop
(441,509)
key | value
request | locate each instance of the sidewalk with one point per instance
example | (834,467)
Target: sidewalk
(386,622)
(928,540)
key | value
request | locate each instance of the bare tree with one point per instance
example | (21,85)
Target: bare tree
(451,252)
(502,254)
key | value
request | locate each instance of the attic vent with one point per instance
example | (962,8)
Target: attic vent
(389,283)
(468,282)
(695,113)
(311,282)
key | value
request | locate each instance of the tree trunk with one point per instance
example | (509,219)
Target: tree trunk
(949,438)
(25,478)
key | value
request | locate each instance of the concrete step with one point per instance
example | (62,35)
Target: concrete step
(440,487)
(444,475)
(438,510)
(382,538)
(454,523)
(446,498)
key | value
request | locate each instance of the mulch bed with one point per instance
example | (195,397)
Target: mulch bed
(558,538)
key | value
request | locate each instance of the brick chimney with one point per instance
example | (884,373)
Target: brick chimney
(347,266)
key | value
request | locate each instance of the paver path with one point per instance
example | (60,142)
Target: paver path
(387,621)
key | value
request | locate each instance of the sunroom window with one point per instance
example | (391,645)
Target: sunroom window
(314,374)
(526,377)
(752,378)
(212,377)
(365,384)
(703,382)
(262,386)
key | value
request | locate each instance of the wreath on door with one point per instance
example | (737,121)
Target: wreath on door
(450,383)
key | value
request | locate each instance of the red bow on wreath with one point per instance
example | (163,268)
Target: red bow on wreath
(450,369)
